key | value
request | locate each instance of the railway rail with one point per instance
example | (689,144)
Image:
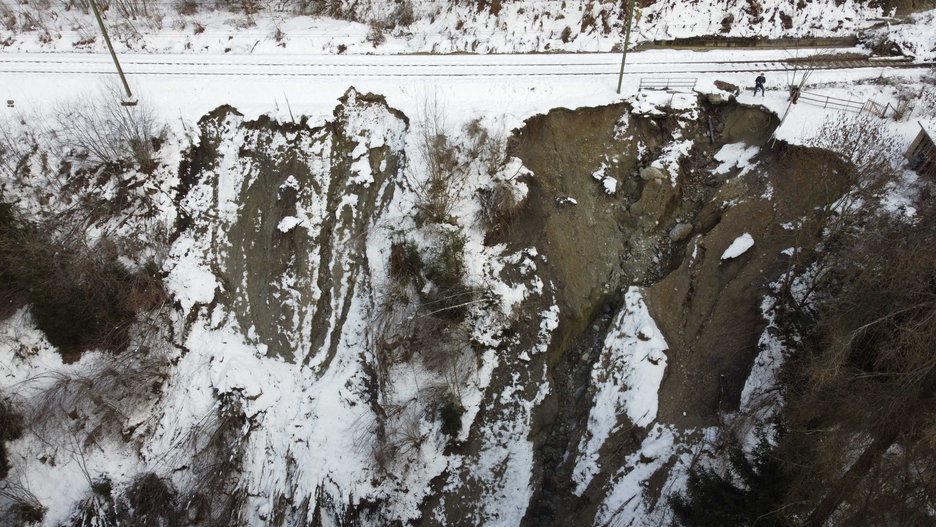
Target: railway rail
(590,65)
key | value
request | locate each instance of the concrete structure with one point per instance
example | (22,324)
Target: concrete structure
(922,153)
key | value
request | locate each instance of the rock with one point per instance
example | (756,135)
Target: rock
(718,98)
(651,172)
(728,87)
(654,198)
(680,232)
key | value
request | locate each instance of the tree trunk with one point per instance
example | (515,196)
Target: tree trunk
(852,477)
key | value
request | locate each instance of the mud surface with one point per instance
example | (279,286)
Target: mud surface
(293,236)
(709,308)
(615,199)
(597,244)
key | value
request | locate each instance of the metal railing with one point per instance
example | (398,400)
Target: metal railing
(853,106)
(827,101)
(687,84)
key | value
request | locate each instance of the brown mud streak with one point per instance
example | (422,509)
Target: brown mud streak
(259,255)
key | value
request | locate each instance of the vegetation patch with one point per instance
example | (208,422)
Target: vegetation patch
(11,428)
(81,296)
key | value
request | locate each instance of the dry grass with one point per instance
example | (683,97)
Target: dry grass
(18,506)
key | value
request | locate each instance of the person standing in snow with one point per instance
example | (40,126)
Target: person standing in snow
(759,84)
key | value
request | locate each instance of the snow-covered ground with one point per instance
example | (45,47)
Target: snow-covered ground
(312,413)
(513,86)
(437,26)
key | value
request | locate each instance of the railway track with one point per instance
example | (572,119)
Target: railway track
(592,65)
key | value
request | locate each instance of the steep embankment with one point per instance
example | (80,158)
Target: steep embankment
(376,324)
(651,197)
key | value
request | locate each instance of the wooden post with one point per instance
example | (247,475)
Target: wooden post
(110,47)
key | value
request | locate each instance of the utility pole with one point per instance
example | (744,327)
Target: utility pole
(627,30)
(129,101)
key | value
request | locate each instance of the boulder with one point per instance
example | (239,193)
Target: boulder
(680,232)
(728,87)
(652,172)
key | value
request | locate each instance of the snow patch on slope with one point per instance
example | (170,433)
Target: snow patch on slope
(625,380)
(739,246)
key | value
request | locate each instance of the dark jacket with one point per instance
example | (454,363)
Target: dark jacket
(760,80)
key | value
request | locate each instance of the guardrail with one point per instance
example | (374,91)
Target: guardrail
(683,83)
(827,101)
(853,106)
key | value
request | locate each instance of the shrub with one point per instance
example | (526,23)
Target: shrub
(747,492)
(566,35)
(214,497)
(100,130)
(150,501)
(403,15)
(376,34)
(97,510)
(405,262)
(447,267)
(450,414)
(400,434)
(449,297)
(500,206)
(186,7)
(18,506)
(866,378)
(81,296)
(487,148)
(11,428)
(442,187)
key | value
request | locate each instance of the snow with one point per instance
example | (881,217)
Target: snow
(626,379)
(915,38)
(314,412)
(735,155)
(624,503)
(739,246)
(189,281)
(608,183)
(288,223)
(438,27)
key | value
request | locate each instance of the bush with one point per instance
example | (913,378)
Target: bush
(11,428)
(18,506)
(405,262)
(866,378)
(566,35)
(403,15)
(215,495)
(450,414)
(447,267)
(97,510)
(149,502)
(81,296)
(484,146)
(499,207)
(748,492)
(187,7)
(99,130)
(376,34)
(440,191)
